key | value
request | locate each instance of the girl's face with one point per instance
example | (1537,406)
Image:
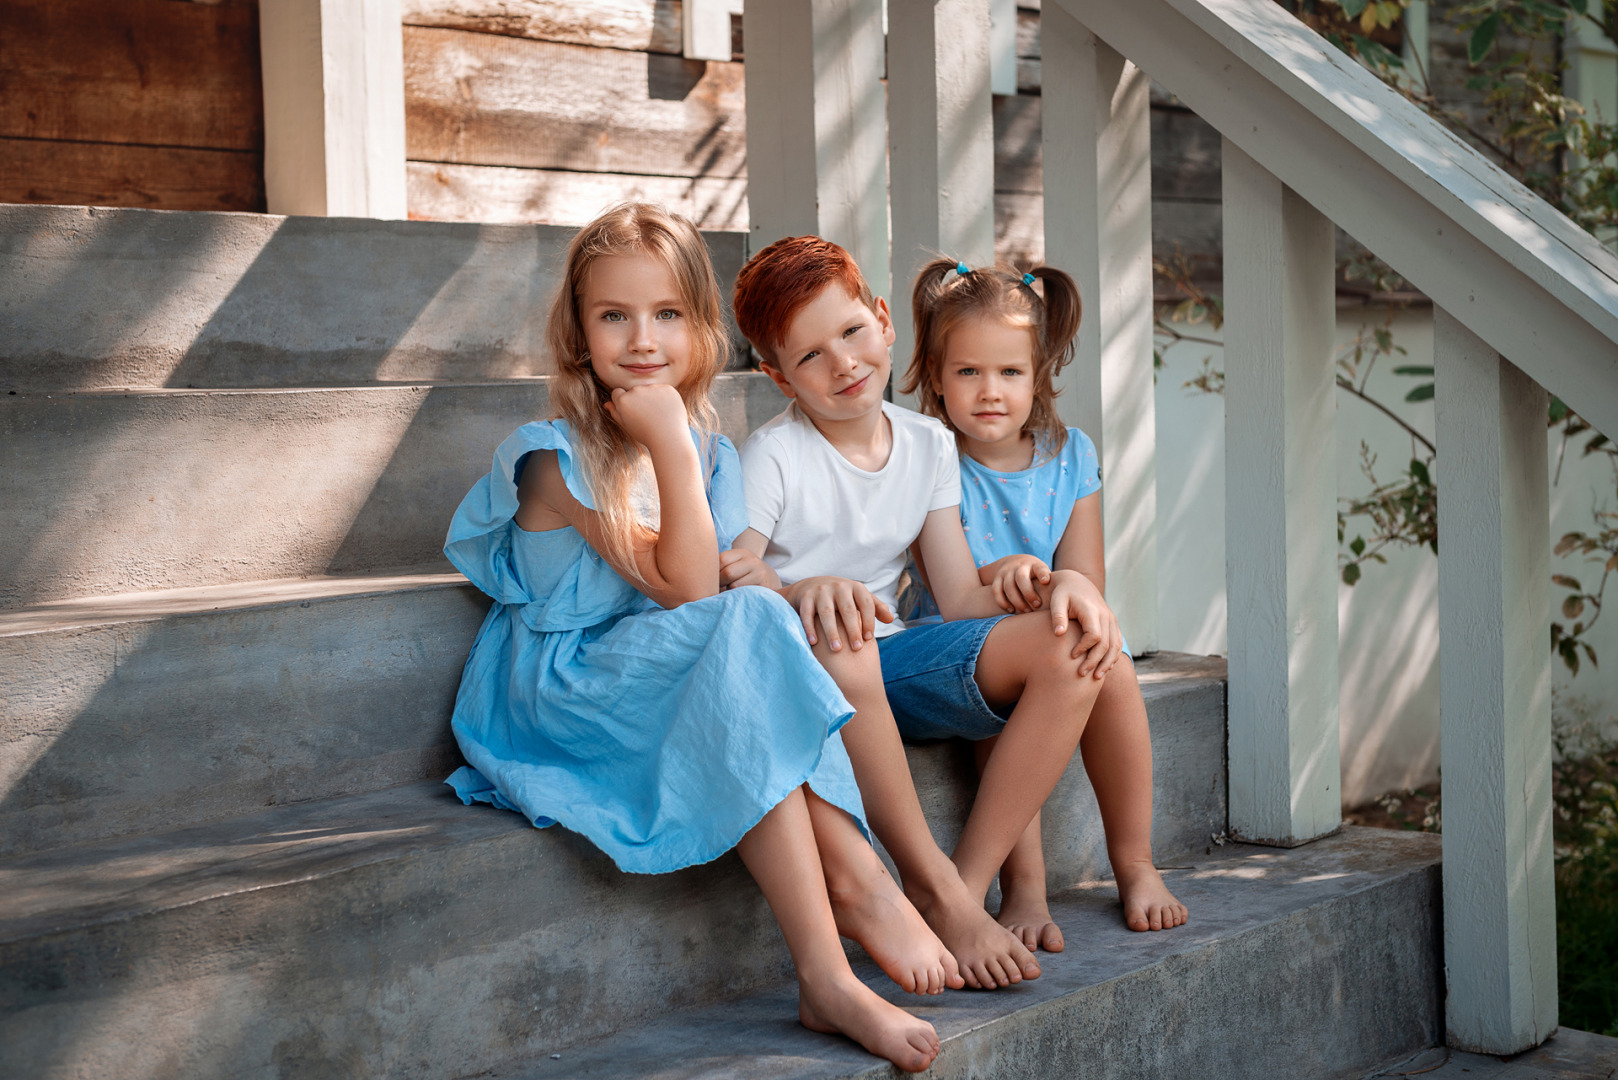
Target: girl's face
(636,326)
(987,378)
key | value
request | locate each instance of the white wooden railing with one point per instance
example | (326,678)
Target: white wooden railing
(1310,139)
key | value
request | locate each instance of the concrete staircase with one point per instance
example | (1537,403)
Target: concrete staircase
(229,447)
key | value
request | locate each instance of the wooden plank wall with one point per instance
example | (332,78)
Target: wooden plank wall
(549,110)
(516,111)
(151,103)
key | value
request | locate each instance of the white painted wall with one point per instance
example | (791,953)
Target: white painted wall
(1388,623)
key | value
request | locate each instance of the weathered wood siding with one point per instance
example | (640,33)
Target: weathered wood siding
(151,103)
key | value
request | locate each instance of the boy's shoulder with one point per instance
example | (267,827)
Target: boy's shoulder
(780,430)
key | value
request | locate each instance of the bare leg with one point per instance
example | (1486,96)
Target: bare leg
(1022,661)
(782,856)
(871,909)
(988,955)
(1024,909)
(1117,749)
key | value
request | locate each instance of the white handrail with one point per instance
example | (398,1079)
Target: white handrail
(1524,278)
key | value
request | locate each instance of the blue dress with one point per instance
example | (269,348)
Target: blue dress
(662,735)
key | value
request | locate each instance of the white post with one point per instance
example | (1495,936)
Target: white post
(817,159)
(705,28)
(941,145)
(334,131)
(1098,227)
(1417,52)
(1495,695)
(1280,509)
(1003,46)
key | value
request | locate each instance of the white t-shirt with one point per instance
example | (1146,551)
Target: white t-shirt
(825,516)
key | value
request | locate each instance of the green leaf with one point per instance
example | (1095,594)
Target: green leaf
(1424,392)
(1358,546)
(1351,573)
(1482,39)
(1591,653)
(1559,410)
(1573,607)
(1353,8)
(1414,369)
(1419,471)
(1581,6)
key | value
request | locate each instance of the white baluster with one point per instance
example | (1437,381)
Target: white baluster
(1280,509)
(1098,227)
(1495,694)
(334,127)
(941,142)
(817,127)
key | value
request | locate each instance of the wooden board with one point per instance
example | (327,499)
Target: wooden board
(137,71)
(1185,151)
(482,99)
(444,192)
(107,174)
(638,25)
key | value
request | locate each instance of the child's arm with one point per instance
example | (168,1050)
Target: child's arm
(1081,547)
(960,593)
(828,599)
(1016,580)
(680,562)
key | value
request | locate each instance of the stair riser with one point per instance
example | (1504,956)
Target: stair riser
(440,968)
(94,298)
(110,493)
(161,723)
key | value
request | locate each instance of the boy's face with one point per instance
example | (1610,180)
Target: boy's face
(833,359)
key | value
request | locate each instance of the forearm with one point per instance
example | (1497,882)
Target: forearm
(686,554)
(977,602)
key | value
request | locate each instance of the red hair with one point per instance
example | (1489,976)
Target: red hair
(781,280)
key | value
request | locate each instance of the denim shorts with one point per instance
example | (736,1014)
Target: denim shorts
(928,669)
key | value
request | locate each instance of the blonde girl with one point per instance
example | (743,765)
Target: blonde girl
(989,344)
(614,689)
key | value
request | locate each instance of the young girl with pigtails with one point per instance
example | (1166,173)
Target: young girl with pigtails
(616,690)
(989,343)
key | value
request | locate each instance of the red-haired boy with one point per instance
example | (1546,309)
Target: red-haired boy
(839,486)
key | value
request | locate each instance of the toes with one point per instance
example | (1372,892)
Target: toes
(1029,937)
(952,973)
(974,976)
(1050,938)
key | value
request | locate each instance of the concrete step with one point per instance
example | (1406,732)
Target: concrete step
(155,711)
(1314,962)
(110,492)
(400,934)
(95,298)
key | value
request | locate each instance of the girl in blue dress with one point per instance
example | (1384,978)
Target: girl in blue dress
(988,347)
(615,690)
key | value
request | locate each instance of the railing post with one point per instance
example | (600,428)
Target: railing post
(941,144)
(1495,696)
(1280,509)
(1098,227)
(334,124)
(817,153)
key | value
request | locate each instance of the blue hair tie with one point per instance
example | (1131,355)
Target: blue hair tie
(962,269)
(1028,279)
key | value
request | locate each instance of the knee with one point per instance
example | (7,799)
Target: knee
(855,671)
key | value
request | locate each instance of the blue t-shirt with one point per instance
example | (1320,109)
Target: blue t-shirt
(1026,513)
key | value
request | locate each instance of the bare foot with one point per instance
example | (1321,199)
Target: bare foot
(988,954)
(1024,911)
(1148,904)
(875,913)
(845,1006)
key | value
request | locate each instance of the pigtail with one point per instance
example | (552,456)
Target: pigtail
(921,378)
(1063,311)
(1058,327)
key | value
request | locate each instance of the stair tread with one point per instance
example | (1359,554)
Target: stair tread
(161,603)
(1237,889)
(48,891)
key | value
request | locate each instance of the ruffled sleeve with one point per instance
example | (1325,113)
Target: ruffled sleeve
(479,540)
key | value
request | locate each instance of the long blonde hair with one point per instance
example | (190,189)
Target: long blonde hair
(943,298)
(610,458)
